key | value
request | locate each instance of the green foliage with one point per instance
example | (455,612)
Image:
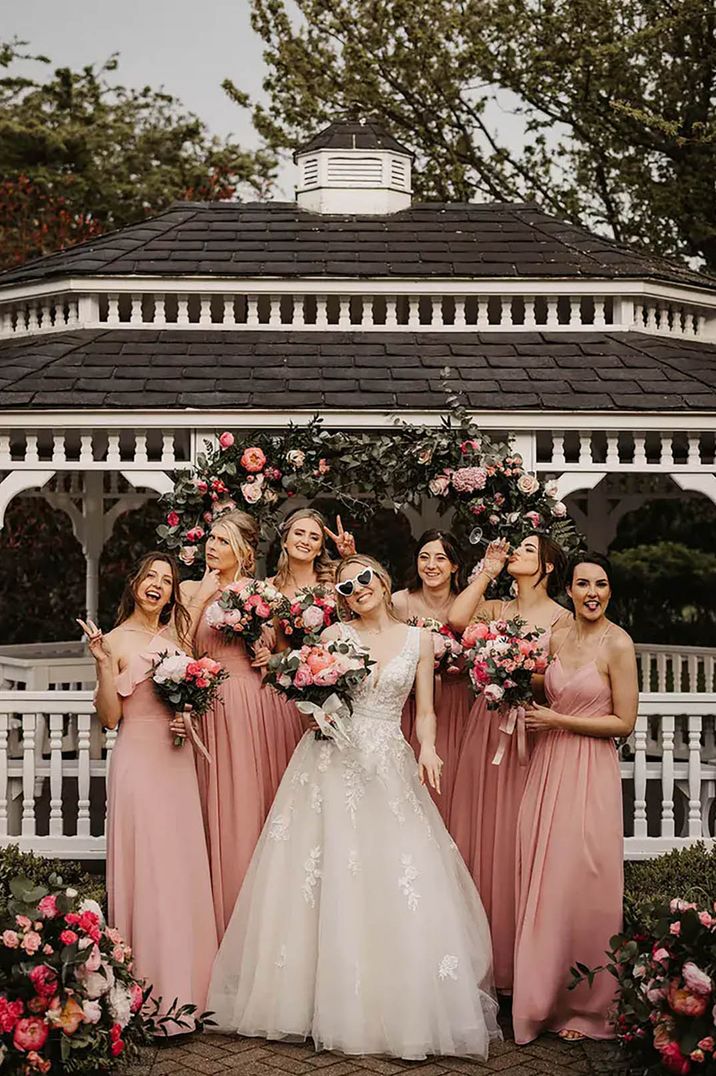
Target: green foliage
(688,873)
(615,101)
(46,872)
(658,586)
(98,155)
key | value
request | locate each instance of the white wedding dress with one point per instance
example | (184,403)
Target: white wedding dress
(358,924)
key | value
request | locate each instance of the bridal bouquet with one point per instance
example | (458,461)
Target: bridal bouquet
(320,678)
(69,999)
(306,615)
(502,658)
(245,609)
(448,648)
(181,681)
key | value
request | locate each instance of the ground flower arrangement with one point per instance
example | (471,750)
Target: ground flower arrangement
(665,1013)
(69,1000)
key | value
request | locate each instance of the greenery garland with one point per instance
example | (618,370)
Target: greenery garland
(482,481)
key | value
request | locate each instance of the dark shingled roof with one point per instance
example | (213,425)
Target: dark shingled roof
(281,241)
(145,369)
(353,134)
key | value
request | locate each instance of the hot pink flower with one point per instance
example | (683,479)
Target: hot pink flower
(684,1001)
(707,1044)
(30,1034)
(675,928)
(137,997)
(253,459)
(68,937)
(48,907)
(195,534)
(469,446)
(44,980)
(226,440)
(534,517)
(173,519)
(10,1013)
(200,485)
(673,1059)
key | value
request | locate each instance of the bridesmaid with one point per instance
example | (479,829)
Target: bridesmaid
(304,560)
(486,797)
(431,591)
(248,746)
(570,846)
(158,879)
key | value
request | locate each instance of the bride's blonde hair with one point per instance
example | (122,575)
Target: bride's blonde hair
(344,611)
(243,534)
(323,566)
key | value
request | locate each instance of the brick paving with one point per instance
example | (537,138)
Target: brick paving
(221,1055)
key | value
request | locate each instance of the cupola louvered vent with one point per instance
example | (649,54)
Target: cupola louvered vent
(355,171)
(310,172)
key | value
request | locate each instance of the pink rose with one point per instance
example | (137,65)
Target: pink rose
(673,1059)
(195,534)
(226,440)
(253,460)
(31,942)
(10,939)
(707,1044)
(302,677)
(188,554)
(30,1034)
(534,517)
(68,937)
(696,979)
(697,1056)
(23,922)
(675,928)
(44,980)
(528,484)
(439,485)
(660,955)
(684,1001)
(173,519)
(493,692)
(251,492)
(48,907)
(137,997)
(200,485)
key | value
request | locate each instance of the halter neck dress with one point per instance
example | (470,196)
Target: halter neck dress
(570,872)
(157,865)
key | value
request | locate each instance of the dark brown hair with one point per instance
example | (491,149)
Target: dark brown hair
(128,601)
(452,552)
(550,552)
(590,558)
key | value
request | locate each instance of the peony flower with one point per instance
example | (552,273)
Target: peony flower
(253,460)
(696,979)
(48,907)
(187,554)
(10,1013)
(173,519)
(302,677)
(296,457)
(469,479)
(10,939)
(493,692)
(44,980)
(559,510)
(313,618)
(31,942)
(327,677)
(30,1034)
(120,1004)
(684,1001)
(439,485)
(226,440)
(251,492)
(528,484)
(673,1060)
(92,1011)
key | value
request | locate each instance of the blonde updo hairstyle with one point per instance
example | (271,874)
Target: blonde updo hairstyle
(358,561)
(242,532)
(323,566)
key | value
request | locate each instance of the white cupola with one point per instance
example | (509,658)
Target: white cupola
(353,166)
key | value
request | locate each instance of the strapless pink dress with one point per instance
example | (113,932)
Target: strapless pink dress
(570,870)
(158,880)
(483,822)
(250,740)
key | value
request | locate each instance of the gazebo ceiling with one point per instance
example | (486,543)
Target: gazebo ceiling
(540,371)
(426,242)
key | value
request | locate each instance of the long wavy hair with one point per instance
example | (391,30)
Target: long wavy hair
(243,534)
(173,608)
(323,566)
(345,613)
(452,552)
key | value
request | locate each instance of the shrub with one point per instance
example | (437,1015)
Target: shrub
(688,873)
(50,873)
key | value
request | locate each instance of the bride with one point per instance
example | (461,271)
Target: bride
(358,924)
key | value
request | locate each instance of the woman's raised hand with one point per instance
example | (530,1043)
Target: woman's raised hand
(97,646)
(344,540)
(496,556)
(209,585)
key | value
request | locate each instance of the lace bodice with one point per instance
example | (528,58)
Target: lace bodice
(382,694)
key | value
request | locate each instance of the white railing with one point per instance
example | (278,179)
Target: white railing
(53,801)
(664,667)
(425,306)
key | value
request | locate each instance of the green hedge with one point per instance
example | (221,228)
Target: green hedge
(41,871)
(689,873)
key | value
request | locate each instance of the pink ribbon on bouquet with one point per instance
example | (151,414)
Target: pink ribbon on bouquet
(192,735)
(512,721)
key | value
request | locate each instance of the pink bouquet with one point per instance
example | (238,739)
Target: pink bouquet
(320,678)
(448,648)
(502,658)
(245,609)
(181,681)
(306,615)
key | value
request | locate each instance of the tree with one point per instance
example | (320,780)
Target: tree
(616,101)
(81,155)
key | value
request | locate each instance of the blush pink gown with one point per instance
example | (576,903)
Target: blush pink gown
(157,865)
(250,736)
(570,852)
(483,822)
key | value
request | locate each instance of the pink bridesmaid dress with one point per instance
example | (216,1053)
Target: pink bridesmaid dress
(250,738)
(158,878)
(570,852)
(452,708)
(483,822)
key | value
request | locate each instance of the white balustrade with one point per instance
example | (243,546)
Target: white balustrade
(300,307)
(52,801)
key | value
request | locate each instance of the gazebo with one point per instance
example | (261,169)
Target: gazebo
(120,356)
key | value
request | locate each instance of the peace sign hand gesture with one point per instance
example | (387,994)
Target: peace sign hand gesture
(344,540)
(97,646)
